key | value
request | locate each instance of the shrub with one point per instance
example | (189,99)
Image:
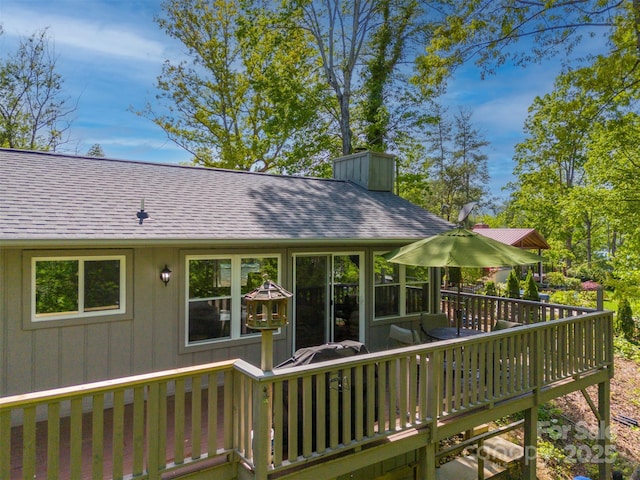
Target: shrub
(590,286)
(558,280)
(513,285)
(490,289)
(564,297)
(530,288)
(624,323)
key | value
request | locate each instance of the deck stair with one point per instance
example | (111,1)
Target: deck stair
(499,456)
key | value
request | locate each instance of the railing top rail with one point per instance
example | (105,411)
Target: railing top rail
(76,391)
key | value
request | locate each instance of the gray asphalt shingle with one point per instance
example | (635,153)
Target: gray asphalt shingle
(46,196)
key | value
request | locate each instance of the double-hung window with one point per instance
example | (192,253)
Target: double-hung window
(216,286)
(68,287)
(399,289)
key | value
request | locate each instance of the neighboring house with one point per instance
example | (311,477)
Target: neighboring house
(83,242)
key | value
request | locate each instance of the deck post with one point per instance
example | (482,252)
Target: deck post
(427,461)
(604,429)
(530,443)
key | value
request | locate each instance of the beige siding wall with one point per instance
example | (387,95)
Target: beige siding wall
(54,355)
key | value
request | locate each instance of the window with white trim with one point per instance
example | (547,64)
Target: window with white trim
(77,286)
(216,286)
(399,289)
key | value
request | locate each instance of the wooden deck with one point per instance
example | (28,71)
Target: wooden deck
(317,421)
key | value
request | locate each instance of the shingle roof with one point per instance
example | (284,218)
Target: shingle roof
(53,197)
(528,238)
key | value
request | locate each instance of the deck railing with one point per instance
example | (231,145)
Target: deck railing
(151,424)
(482,311)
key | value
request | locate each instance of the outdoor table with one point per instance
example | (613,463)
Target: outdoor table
(448,333)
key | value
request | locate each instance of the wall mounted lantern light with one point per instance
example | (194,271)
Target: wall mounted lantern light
(165,275)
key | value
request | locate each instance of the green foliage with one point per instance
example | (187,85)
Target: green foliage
(624,323)
(564,297)
(95,151)
(251,95)
(626,349)
(490,289)
(530,287)
(513,284)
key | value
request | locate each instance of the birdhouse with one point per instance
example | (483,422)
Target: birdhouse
(267,306)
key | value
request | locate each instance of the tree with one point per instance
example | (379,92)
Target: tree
(530,288)
(457,165)
(625,324)
(95,151)
(550,162)
(249,96)
(34,115)
(340,32)
(513,284)
(488,32)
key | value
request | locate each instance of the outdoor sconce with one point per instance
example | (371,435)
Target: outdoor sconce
(165,275)
(267,306)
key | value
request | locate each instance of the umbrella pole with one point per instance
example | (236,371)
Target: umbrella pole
(458,311)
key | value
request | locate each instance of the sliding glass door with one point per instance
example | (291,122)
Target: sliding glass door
(327,298)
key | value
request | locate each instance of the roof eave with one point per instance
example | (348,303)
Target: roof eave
(201,242)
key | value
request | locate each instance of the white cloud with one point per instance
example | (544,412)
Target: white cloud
(85,33)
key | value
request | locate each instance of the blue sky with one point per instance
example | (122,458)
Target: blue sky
(110,52)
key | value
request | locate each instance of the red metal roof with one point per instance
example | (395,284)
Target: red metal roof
(527,238)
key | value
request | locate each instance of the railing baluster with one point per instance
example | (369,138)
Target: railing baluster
(307,418)
(5,439)
(359,403)
(345,408)
(178,421)
(278,421)
(196,417)
(212,414)
(29,443)
(97,435)
(138,430)
(76,438)
(117,450)
(370,397)
(53,441)
(292,420)
(321,412)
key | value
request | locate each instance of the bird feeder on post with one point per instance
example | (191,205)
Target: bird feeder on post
(267,311)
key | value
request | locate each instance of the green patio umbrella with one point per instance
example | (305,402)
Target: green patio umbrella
(461,248)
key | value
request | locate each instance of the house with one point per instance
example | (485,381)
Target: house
(123,282)
(83,241)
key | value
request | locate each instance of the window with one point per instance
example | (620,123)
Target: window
(215,294)
(399,289)
(77,287)
(387,288)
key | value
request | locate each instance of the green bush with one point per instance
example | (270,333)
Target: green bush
(513,285)
(558,280)
(564,297)
(490,289)
(530,287)
(624,323)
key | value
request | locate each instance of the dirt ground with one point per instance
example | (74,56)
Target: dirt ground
(577,415)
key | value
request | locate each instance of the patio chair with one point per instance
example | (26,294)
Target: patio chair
(402,337)
(432,320)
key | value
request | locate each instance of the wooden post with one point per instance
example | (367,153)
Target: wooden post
(267,350)
(604,429)
(427,461)
(530,443)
